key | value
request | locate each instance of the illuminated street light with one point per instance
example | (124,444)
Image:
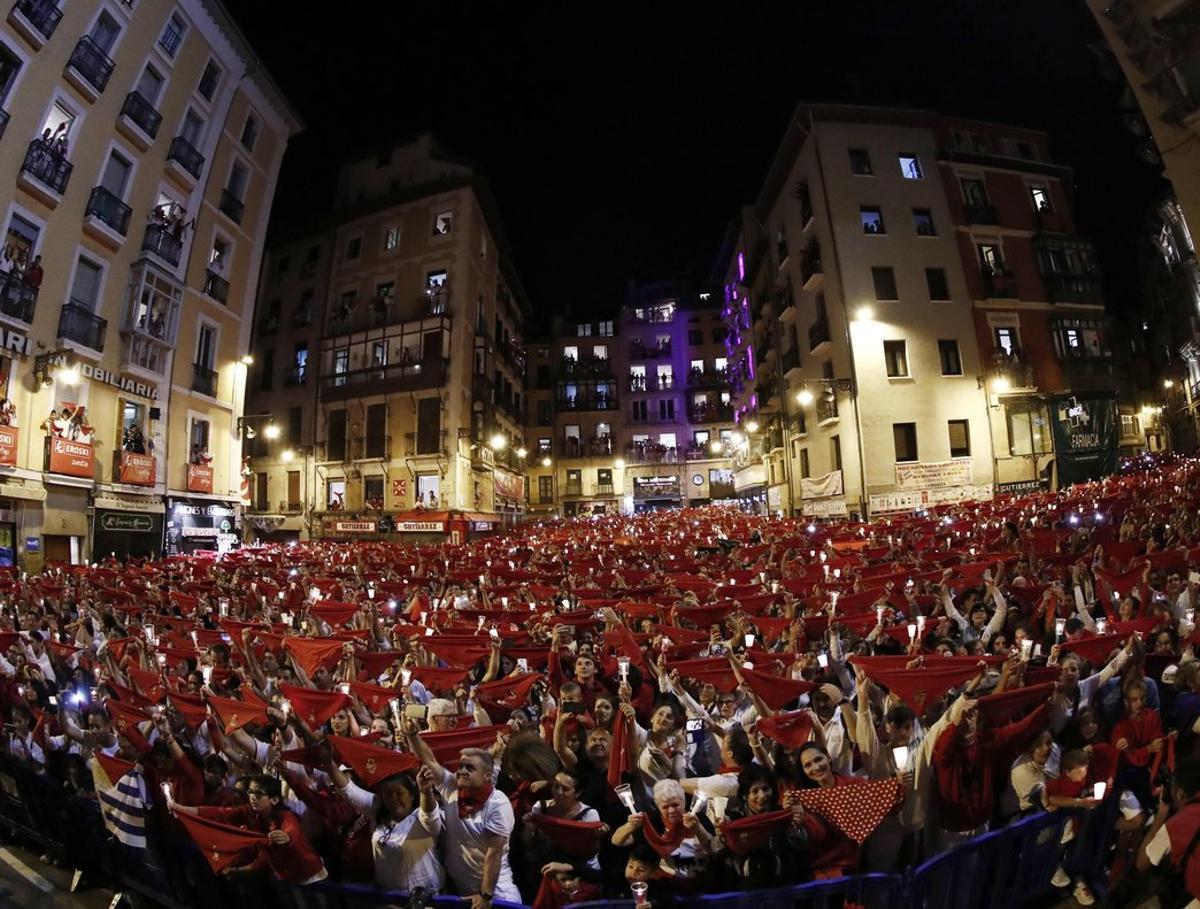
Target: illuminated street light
(498,442)
(272,430)
(752,426)
(546,461)
(287,455)
(804,398)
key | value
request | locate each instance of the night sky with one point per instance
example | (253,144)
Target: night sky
(620,149)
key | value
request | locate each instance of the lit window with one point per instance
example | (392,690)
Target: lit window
(895,356)
(1040,196)
(910,167)
(391,239)
(872,220)
(442,223)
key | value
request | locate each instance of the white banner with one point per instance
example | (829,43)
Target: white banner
(775,498)
(832,507)
(939,473)
(911,500)
(822,487)
(355,526)
(419,526)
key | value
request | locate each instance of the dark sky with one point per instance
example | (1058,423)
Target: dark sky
(619,142)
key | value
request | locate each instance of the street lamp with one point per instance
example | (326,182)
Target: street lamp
(546,461)
(272,430)
(804,398)
(752,426)
(287,455)
(498,442)
(522,452)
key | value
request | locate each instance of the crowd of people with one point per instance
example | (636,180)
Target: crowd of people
(661,705)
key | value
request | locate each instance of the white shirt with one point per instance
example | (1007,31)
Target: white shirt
(1158,849)
(406,851)
(465,850)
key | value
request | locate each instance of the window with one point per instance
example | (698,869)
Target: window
(666,409)
(435,279)
(192,131)
(429,489)
(583,330)
(442,223)
(600,351)
(545,489)
(990,258)
(895,358)
(391,238)
(948,354)
(341,365)
(719,333)
(960,438)
(606,329)
(923,222)
(150,85)
(198,438)
(885,283)
(639,412)
(303,314)
(1028,429)
(835,451)
(373,492)
(974,191)
(115,178)
(172,35)
(105,31)
(910,167)
(860,162)
(905,437)
(804,465)
(85,289)
(209,80)
(335,491)
(604,483)
(1129,425)
(570,352)
(545,416)
(935,280)
(295,423)
(695,337)
(1040,197)
(353,248)
(429,425)
(872,220)
(250,132)
(1006,340)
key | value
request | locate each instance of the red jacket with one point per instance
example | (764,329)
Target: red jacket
(1181,830)
(295,862)
(1139,731)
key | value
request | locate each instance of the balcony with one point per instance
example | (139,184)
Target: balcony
(1073,288)
(604,489)
(106,217)
(295,376)
(139,120)
(89,68)
(158,240)
(379,313)
(585,367)
(652,453)
(383,379)
(980,213)
(811,268)
(710,413)
(371,448)
(789,360)
(184,163)
(652,383)
(579,403)
(231,206)
(586,448)
(215,286)
(714,379)
(134,469)
(286,507)
(999,284)
(827,409)
(1089,373)
(204,380)
(45,172)
(656,488)
(1008,372)
(17,300)
(79,324)
(818,335)
(639,351)
(36,20)
(144,352)
(426,445)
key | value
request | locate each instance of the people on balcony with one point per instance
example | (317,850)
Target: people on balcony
(8,412)
(133,440)
(200,455)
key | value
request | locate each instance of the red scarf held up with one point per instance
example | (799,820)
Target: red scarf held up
(470,801)
(752,832)
(552,895)
(221,844)
(576,838)
(666,842)
(618,758)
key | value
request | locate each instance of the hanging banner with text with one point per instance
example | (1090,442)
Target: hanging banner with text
(509,485)
(832,507)
(71,458)
(918,475)
(9,435)
(136,469)
(1085,438)
(199,478)
(883,503)
(822,487)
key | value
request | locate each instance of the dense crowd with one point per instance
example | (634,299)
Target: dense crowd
(679,702)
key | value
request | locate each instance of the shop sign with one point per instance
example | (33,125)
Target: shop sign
(199,478)
(74,459)
(33,545)
(420,527)
(8,445)
(193,519)
(127,385)
(120,522)
(937,473)
(137,469)
(1023,487)
(16,342)
(1085,438)
(355,526)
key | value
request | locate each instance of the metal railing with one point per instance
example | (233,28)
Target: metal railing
(44,15)
(999,283)
(981,213)
(91,62)
(652,383)
(586,448)
(573,488)
(427,444)
(827,409)
(216,287)
(590,367)
(368,447)
(286,507)
(818,334)
(810,264)
(587,402)
(109,209)
(379,313)
(387,377)
(233,207)
(77,322)
(204,380)
(712,378)
(297,375)
(652,453)
(639,351)
(17,299)
(183,152)
(142,113)
(44,163)
(710,413)
(604,489)
(159,240)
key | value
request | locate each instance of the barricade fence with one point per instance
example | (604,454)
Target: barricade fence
(1003,869)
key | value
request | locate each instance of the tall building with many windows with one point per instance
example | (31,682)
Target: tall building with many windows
(912,318)
(389,365)
(142,142)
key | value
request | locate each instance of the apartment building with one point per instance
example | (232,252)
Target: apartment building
(143,143)
(390,368)
(912,320)
(632,413)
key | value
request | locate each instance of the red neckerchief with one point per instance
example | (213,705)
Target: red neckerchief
(471,801)
(728,768)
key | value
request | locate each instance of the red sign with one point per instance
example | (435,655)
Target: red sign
(199,478)
(74,459)
(136,469)
(8,445)
(400,490)
(509,485)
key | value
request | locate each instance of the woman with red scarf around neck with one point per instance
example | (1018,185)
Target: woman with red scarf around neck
(831,853)
(287,854)
(479,821)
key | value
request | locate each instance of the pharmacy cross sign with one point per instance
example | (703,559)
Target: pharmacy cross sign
(1076,414)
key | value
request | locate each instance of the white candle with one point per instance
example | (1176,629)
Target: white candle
(1098,790)
(900,756)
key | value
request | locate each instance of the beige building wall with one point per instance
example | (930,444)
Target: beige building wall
(120,295)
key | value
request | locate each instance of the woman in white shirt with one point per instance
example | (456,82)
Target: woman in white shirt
(408,821)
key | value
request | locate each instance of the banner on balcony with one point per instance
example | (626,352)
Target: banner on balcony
(509,485)
(832,507)
(9,435)
(931,474)
(1085,438)
(74,459)
(822,487)
(199,478)
(137,469)
(912,500)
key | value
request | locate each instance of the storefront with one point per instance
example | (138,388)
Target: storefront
(417,526)
(657,492)
(124,533)
(195,525)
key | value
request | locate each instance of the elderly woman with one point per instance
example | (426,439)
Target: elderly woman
(683,841)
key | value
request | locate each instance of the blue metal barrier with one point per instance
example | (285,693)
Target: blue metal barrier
(1087,854)
(875,891)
